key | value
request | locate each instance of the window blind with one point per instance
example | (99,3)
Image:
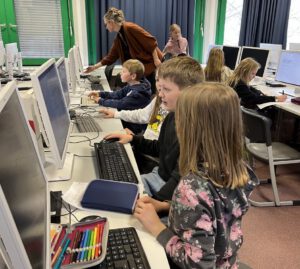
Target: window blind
(39,26)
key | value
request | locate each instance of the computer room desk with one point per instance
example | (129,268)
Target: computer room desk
(287,105)
(84,170)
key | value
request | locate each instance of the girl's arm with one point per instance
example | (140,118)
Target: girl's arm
(141,116)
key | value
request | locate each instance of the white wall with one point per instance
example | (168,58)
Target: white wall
(211,12)
(80,29)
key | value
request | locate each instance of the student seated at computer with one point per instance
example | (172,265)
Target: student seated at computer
(176,45)
(215,69)
(174,76)
(153,115)
(207,207)
(240,79)
(137,94)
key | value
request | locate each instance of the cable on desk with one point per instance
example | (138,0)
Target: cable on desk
(87,139)
(82,156)
(74,106)
(67,207)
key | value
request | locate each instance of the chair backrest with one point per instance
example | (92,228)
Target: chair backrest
(257,128)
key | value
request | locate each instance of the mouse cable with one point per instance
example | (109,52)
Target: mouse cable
(82,156)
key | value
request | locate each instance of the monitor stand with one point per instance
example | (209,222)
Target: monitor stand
(60,174)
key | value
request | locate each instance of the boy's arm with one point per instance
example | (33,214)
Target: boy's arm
(115,94)
(146,146)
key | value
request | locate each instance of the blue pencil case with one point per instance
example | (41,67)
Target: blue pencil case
(111,195)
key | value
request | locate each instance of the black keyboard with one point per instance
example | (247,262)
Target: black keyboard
(97,87)
(113,162)
(86,124)
(93,79)
(124,250)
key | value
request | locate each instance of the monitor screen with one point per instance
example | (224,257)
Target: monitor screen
(62,72)
(78,61)
(294,46)
(259,55)
(274,55)
(231,55)
(2,53)
(54,113)
(22,178)
(289,67)
(72,69)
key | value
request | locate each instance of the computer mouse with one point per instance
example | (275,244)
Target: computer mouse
(110,140)
(89,218)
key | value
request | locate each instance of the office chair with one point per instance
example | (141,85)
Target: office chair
(259,144)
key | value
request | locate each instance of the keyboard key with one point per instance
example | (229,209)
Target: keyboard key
(127,260)
(113,163)
(86,124)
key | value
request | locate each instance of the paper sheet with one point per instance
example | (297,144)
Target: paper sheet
(264,105)
(74,194)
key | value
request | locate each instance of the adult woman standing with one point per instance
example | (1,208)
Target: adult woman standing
(131,42)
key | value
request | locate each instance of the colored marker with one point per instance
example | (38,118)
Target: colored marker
(90,245)
(94,242)
(77,234)
(58,251)
(61,256)
(86,245)
(79,255)
(77,246)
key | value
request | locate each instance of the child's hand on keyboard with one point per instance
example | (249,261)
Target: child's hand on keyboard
(93,94)
(95,99)
(123,138)
(108,113)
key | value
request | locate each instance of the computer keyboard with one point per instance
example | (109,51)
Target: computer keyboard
(86,124)
(97,87)
(113,162)
(124,250)
(87,101)
(93,79)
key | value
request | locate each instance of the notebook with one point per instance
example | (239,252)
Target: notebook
(111,196)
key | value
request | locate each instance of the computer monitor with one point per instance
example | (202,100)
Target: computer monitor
(72,70)
(231,55)
(11,57)
(78,62)
(260,55)
(62,73)
(294,46)
(2,54)
(274,55)
(54,113)
(23,183)
(289,67)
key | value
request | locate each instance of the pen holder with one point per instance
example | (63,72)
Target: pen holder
(84,247)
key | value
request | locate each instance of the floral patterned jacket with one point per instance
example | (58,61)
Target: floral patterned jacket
(204,227)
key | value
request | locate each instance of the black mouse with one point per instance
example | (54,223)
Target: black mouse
(110,140)
(89,218)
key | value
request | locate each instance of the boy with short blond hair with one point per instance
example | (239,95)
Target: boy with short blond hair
(174,76)
(136,94)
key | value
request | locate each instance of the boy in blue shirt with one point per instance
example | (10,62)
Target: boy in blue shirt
(136,94)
